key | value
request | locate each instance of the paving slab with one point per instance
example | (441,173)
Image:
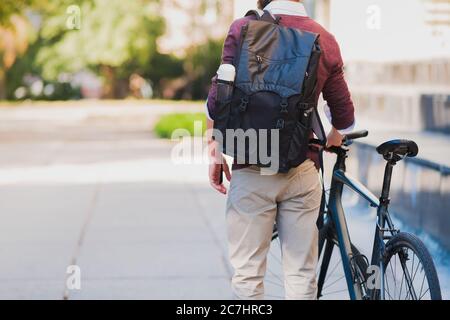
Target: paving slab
(95,188)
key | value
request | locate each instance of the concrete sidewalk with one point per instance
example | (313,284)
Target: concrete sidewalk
(102,193)
(99,191)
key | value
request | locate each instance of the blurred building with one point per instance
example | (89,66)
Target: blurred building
(397,56)
(385,30)
(397,53)
(193,22)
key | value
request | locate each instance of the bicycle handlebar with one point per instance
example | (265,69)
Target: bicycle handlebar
(356,135)
(345,141)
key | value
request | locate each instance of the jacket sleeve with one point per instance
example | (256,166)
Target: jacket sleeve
(337,95)
(228,56)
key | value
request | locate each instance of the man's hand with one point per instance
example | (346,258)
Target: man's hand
(217,163)
(334,138)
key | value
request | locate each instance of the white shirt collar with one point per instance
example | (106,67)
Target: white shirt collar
(291,8)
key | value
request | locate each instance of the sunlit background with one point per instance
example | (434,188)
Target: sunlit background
(91,90)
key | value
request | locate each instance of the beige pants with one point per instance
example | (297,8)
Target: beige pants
(254,203)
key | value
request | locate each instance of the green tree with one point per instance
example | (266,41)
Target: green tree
(116,38)
(200,66)
(11,7)
(14,37)
(162,68)
(19,41)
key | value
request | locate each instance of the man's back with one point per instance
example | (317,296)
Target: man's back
(330,77)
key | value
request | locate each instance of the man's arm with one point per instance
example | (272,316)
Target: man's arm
(228,54)
(337,95)
(217,162)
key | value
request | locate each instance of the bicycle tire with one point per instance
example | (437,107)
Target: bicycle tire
(404,240)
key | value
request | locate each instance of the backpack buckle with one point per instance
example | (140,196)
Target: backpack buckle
(243,105)
(280,124)
(284,106)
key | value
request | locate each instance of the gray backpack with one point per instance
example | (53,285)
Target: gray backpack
(275,88)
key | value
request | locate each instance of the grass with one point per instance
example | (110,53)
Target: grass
(167,124)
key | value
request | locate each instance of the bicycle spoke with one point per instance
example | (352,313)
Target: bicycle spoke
(417,268)
(424,293)
(407,275)
(391,298)
(329,285)
(334,292)
(408,292)
(332,271)
(421,287)
(415,273)
(387,287)
(411,268)
(395,275)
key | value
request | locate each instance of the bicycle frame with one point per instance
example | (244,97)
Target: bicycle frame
(337,215)
(384,218)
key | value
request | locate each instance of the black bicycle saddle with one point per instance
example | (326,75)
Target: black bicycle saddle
(399,148)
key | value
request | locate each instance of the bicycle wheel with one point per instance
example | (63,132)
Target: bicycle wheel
(410,273)
(332,283)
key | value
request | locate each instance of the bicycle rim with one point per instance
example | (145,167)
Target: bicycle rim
(409,271)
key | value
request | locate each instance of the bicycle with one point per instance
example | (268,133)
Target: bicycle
(391,247)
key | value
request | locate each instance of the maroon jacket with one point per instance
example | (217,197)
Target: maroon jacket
(330,77)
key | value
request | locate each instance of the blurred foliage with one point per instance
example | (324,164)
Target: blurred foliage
(108,41)
(116,40)
(167,124)
(161,67)
(201,65)
(11,7)
(14,38)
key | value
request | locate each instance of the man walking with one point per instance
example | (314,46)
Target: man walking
(292,199)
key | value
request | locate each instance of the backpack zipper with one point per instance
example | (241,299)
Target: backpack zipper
(271,61)
(259,60)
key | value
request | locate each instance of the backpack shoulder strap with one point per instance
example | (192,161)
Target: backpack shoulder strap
(263,16)
(256,12)
(319,131)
